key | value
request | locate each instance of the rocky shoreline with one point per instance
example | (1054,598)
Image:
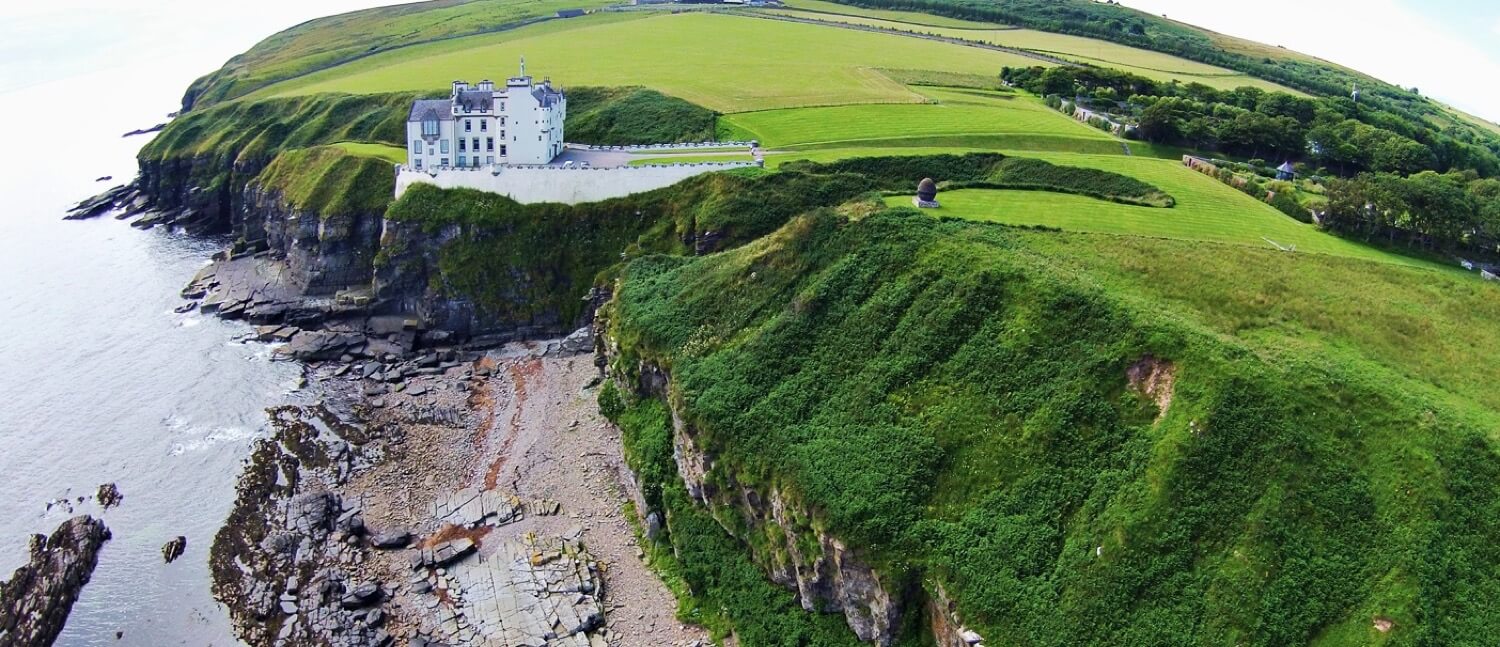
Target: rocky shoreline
(35,602)
(455,497)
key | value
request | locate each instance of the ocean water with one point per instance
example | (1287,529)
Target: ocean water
(99,380)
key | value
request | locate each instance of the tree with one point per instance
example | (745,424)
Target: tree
(1059,80)
(1158,122)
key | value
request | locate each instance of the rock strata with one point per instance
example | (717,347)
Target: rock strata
(35,602)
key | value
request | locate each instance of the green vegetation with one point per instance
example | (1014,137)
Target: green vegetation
(937,78)
(994,171)
(955,113)
(261,129)
(725,590)
(515,261)
(330,41)
(330,181)
(1205,210)
(795,64)
(619,116)
(954,399)
(387,152)
(911,17)
(1087,51)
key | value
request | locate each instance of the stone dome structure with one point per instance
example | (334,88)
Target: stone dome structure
(926,197)
(927,189)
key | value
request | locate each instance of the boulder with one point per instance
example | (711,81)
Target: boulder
(109,496)
(173,549)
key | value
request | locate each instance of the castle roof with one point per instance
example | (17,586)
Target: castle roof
(475,100)
(421,107)
(545,96)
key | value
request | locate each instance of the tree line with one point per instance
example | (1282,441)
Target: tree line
(1455,212)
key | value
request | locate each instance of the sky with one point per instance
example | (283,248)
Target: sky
(1448,49)
(47,42)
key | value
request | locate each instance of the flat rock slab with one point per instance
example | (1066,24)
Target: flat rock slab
(527,592)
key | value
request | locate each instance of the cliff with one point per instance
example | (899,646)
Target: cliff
(951,428)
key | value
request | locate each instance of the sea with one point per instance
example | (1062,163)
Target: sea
(100,381)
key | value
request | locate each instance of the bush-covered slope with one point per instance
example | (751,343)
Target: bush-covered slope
(993,171)
(513,260)
(965,404)
(634,115)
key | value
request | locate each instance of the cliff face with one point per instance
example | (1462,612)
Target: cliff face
(783,535)
(201,194)
(323,253)
(408,278)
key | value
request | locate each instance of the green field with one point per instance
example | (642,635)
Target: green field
(387,152)
(966,113)
(911,17)
(1206,210)
(737,63)
(1154,65)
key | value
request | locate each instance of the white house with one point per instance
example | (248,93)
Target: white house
(481,125)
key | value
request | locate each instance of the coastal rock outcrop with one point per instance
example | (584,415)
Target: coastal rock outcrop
(35,602)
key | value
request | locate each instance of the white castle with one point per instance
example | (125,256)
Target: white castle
(509,141)
(481,125)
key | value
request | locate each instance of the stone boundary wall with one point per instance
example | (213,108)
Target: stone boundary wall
(533,184)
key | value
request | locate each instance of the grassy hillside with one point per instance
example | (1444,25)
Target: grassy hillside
(617,116)
(956,399)
(1088,51)
(738,63)
(330,181)
(953,112)
(325,42)
(1206,210)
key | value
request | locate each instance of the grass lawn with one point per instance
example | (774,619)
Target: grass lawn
(967,114)
(1434,325)
(1154,65)
(1206,210)
(912,17)
(727,63)
(387,152)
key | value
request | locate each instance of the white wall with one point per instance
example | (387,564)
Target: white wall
(567,185)
(432,150)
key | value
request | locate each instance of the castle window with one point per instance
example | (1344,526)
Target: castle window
(476,144)
(489,143)
(463,160)
(444,146)
(462,145)
(419,164)
(489,159)
(416,146)
(502,150)
(484,125)
(444,162)
(468,125)
(429,127)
